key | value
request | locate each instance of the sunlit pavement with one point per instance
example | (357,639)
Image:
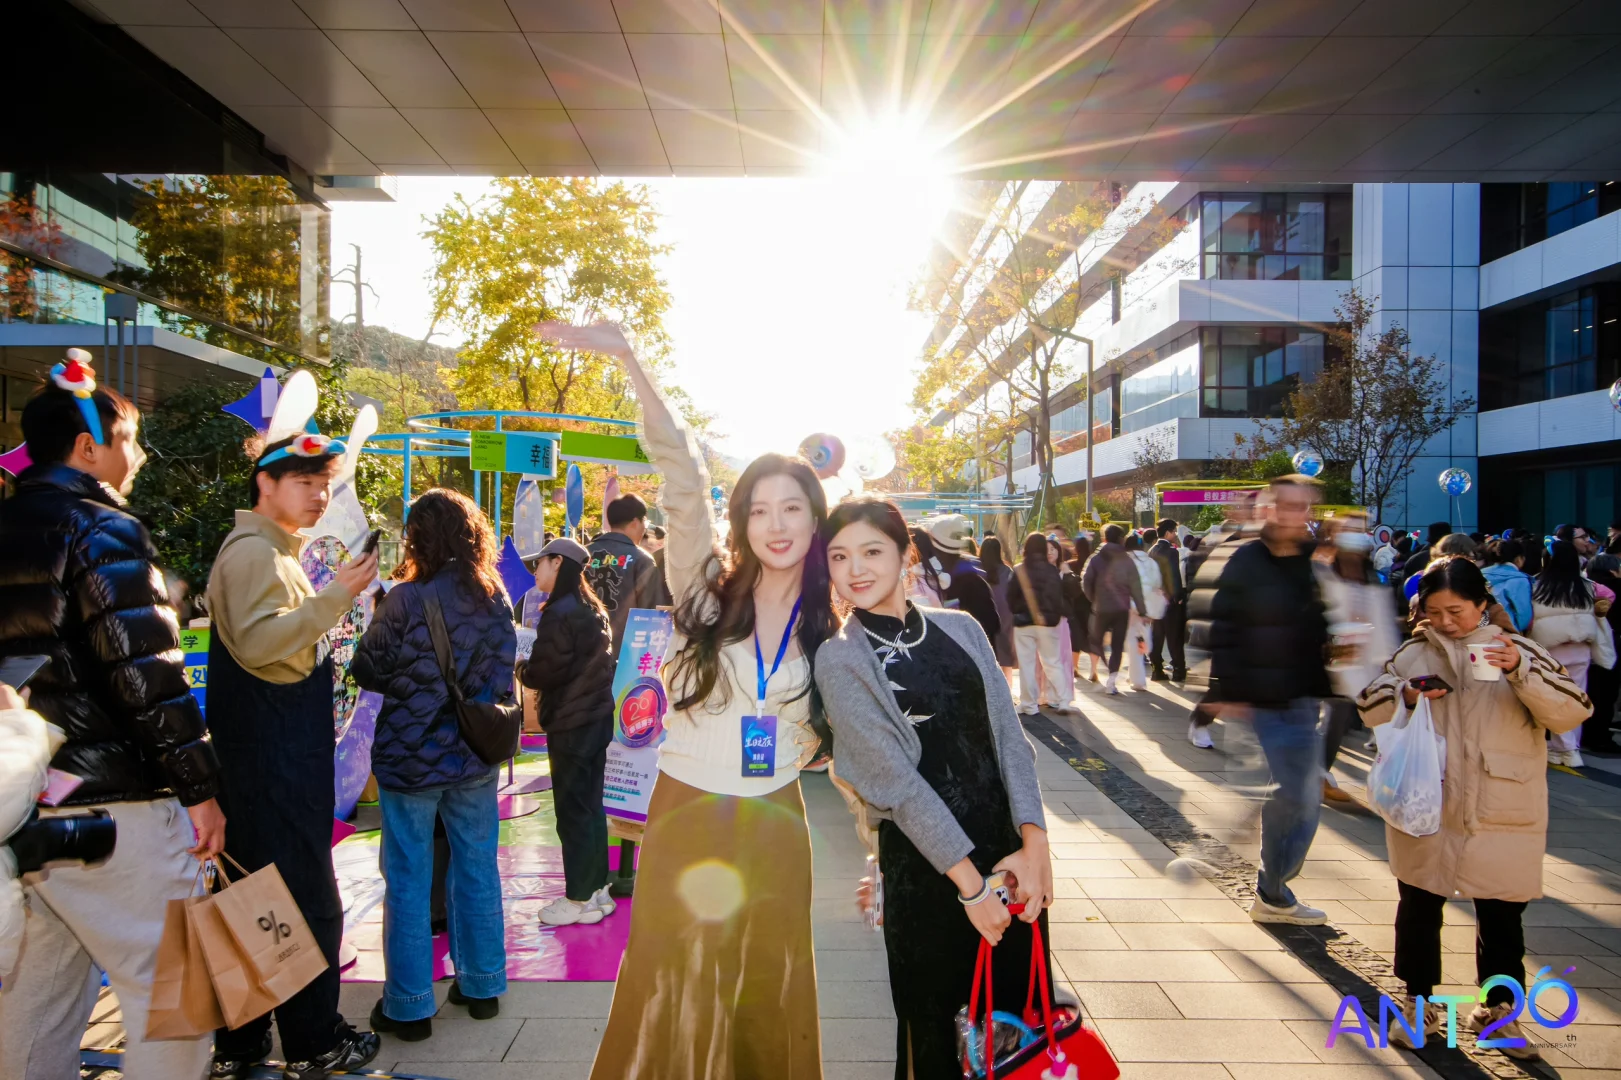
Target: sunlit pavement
(1169,968)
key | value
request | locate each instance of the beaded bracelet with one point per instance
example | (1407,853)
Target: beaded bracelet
(984,891)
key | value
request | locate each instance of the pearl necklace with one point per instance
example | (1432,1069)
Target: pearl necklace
(899,644)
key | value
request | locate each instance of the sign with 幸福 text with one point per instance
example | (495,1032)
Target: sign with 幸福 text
(534,453)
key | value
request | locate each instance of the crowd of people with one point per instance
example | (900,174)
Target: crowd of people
(804,634)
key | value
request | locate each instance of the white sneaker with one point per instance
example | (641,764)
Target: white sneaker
(1297,915)
(1140,687)
(1434,1022)
(1199,735)
(1573,758)
(566,912)
(1028,710)
(604,901)
(1484,1015)
(1111,685)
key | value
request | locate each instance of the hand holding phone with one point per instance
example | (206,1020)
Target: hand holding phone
(1430,686)
(371,542)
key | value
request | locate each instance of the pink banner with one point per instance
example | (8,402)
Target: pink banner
(1195,496)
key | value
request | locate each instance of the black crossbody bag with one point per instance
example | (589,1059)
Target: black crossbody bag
(490,728)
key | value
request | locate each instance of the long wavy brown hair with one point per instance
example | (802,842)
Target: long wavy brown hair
(446,526)
(721,612)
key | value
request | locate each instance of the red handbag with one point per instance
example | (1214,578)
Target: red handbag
(1065,1050)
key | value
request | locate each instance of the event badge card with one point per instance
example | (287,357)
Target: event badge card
(760,746)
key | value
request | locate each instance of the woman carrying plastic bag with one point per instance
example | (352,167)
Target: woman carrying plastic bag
(1492,697)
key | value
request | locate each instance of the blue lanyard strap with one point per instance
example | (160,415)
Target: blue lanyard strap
(782,650)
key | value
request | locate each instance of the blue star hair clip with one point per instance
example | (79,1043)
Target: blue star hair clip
(75,376)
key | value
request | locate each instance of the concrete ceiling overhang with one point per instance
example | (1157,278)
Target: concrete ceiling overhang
(1203,90)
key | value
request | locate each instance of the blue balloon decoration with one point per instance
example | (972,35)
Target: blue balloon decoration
(574,496)
(1308,463)
(1455,482)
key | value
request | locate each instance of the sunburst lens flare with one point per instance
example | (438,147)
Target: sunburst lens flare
(712,890)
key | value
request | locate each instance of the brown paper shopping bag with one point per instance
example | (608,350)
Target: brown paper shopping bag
(271,932)
(241,996)
(183,1004)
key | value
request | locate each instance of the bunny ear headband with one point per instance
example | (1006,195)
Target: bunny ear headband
(295,412)
(74,376)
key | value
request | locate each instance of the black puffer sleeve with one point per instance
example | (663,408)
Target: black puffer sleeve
(135,634)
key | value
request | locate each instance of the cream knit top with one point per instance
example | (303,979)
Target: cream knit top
(703,746)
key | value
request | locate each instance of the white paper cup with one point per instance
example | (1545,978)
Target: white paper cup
(1480,666)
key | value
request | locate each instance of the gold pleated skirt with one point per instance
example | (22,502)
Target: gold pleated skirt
(718,981)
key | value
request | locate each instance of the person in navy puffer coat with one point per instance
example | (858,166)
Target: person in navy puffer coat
(425,769)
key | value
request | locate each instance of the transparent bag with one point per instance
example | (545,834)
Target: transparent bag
(1404,785)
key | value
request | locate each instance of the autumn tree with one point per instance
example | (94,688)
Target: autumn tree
(245,250)
(1374,407)
(538,249)
(1008,306)
(28,225)
(1149,460)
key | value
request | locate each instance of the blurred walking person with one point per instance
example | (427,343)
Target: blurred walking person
(1566,624)
(1503,564)
(1269,638)
(1080,608)
(572,665)
(1036,599)
(1112,584)
(425,770)
(999,576)
(1170,630)
(1362,630)
(1604,684)
(1494,801)
(1140,630)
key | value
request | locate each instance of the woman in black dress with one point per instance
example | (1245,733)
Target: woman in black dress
(1080,608)
(926,733)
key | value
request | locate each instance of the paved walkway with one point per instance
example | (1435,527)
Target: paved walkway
(1168,965)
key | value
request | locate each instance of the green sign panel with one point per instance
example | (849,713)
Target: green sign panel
(622,450)
(514,452)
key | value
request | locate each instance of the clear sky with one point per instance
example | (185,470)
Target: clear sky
(789,311)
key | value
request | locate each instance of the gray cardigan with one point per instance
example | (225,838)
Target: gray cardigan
(876,749)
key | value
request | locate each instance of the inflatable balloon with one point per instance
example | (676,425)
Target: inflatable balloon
(1308,463)
(1455,482)
(824,452)
(872,457)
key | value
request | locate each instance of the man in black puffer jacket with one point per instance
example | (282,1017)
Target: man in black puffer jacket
(1268,637)
(572,665)
(78,585)
(1113,585)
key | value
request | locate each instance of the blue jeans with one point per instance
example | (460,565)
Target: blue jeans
(1293,744)
(472,895)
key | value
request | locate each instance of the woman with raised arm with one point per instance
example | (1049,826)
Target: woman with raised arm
(719,979)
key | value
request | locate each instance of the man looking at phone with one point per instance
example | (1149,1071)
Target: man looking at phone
(270,688)
(1268,640)
(79,585)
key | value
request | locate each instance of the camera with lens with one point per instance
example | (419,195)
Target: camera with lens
(64,839)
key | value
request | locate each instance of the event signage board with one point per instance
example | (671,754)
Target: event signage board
(514,452)
(194,643)
(640,705)
(1196,496)
(624,451)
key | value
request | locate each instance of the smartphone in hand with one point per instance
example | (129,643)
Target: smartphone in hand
(1422,683)
(370,545)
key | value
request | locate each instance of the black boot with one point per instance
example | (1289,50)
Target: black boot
(477,1008)
(404,1030)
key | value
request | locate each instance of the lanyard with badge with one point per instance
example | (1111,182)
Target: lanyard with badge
(760,730)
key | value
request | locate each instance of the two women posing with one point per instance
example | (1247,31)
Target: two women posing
(719,979)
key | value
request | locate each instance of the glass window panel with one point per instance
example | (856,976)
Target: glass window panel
(1235,402)
(1210,222)
(1305,223)
(1240,224)
(1600,495)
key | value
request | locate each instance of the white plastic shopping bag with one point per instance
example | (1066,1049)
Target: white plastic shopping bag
(1404,785)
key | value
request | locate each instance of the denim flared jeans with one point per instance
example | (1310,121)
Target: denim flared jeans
(472,895)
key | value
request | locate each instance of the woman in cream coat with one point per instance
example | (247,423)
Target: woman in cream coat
(1494,809)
